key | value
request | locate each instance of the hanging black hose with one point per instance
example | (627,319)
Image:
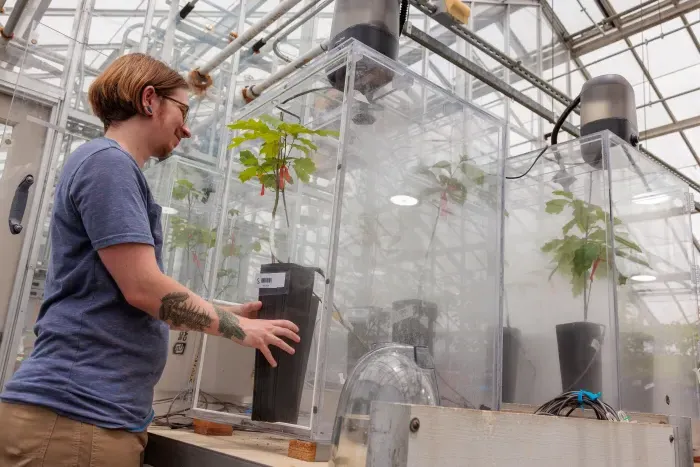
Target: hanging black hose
(403,16)
(562,118)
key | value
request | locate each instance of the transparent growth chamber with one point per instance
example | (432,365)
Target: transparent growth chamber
(386,229)
(600,286)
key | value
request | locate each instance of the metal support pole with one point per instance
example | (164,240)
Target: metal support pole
(8,31)
(147,26)
(170,25)
(248,35)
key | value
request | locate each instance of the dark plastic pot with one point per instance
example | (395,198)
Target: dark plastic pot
(277,391)
(511,353)
(580,360)
(637,372)
(414,323)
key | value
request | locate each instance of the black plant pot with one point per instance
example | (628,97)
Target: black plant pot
(414,323)
(277,391)
(637,372)
(580,360)
(511,352)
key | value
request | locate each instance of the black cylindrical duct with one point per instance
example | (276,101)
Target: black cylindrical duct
(375,23)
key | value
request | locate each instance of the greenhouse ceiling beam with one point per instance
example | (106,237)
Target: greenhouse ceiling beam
(483,75)
(654,16)
(514,65)
(675,127)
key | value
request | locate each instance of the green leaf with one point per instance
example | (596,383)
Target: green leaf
(303,168)
(584,258)
(308,143)
(248,159)
(442,165)
(271,121)
(598,235)
(301,148)
(628,243)
(555,206)
(247,174)
(257,247)
(552,245)
(565,194)
(568,226)
(578,283)
(233,212)
(269,181)
(252,124)
(582,214)
(333,133)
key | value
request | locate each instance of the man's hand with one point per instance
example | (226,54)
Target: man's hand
(238,323)
(246,310)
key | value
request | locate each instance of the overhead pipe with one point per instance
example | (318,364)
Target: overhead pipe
(302,21)
(252,92)
(8,31)
(199,77)
(261,43)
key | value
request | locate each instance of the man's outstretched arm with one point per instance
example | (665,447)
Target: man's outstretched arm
(134,268)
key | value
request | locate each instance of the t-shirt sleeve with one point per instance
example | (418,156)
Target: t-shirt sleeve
(110,196)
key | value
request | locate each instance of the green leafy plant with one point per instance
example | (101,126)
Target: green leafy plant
(276,156)
(583,252)
(449,183)
(197,241)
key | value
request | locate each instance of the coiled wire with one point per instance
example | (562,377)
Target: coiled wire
(565,404)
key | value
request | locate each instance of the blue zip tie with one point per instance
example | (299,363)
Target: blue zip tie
(590,395)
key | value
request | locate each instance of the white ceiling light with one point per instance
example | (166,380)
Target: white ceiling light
(168,211)
(643,278)
(403,200)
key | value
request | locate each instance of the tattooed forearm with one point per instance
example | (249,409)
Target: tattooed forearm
(228,324)
(175,310)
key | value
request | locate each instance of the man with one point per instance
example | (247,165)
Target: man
(84,396)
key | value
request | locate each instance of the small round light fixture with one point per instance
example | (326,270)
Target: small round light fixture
(403,200)
(168,211)
(643,278)
(651,198)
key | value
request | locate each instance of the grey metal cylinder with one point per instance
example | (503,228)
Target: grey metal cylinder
(608,103)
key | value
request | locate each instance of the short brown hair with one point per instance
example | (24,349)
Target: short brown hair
(115,95)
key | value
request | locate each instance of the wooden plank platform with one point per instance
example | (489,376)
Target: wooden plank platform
(242,448)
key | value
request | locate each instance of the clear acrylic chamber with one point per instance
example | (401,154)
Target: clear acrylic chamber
(395,225)
(600,291)
(190,196)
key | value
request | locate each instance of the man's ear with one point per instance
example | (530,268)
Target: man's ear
(148,97)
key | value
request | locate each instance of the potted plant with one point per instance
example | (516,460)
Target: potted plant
(582,254)
(277,154)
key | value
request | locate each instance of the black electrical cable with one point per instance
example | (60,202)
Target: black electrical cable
(531,166)
(567,403)
(554,135)
(562,118)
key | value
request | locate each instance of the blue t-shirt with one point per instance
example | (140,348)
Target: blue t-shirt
(96,358)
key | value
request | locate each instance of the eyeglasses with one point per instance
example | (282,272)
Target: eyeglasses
(184,108)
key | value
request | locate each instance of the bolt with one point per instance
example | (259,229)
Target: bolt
(671,438)
(415,424)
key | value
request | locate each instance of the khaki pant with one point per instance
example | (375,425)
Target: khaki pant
(32,436)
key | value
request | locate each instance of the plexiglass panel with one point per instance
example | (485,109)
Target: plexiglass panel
(598,279)
(392,202)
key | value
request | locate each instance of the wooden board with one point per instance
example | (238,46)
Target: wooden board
(457,437)
(263,448)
